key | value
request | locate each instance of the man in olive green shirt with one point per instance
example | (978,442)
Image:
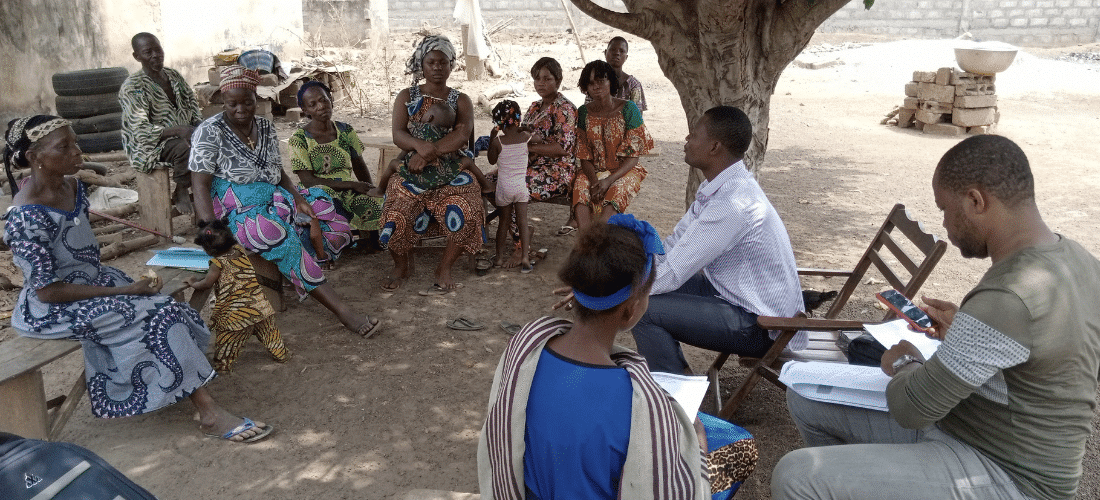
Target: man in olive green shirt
(1005,405)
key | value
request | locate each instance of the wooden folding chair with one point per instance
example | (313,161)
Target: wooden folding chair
(823,345)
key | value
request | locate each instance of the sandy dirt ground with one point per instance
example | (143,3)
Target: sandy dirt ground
(375,418)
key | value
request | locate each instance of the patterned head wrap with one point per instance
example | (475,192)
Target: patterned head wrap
(415,65)
(21,135)
(651,243)
(311,84)
(506,113)
(239,77)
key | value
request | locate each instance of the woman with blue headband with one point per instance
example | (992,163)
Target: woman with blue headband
(572,415)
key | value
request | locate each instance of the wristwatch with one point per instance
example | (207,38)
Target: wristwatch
(905,359)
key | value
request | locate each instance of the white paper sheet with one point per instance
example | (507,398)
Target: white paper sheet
(851,385)
(892,332)
(689,391)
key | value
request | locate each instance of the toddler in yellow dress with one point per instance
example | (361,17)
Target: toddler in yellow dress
(240,308)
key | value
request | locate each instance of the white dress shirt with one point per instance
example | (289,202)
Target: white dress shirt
(732,233)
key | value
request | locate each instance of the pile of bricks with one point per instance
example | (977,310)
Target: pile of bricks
(950,102)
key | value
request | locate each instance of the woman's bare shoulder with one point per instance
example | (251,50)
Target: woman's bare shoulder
(618,104)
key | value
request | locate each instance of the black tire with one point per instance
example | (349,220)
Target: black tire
(99,123)
(89,81)
(100,142)
(83,106)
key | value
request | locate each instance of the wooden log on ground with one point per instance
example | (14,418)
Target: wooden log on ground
(124,247)
(126,177)
(107,157)
(89,177)
(106,240)
(122,211)
(110,228)
(98,168)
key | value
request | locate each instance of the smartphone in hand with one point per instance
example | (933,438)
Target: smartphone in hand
(905,308)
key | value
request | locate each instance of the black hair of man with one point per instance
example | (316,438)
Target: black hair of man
(141,36)
(618,39)
(594,71)
(551,65)
(730,127)
(991,162)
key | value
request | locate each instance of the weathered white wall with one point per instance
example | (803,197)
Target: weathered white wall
(195,30)
(41,37)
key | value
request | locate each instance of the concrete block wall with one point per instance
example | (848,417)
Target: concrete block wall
(908,18)
(1037,22)
(1044,23)
(543,15)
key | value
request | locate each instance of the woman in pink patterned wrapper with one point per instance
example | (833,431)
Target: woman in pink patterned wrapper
(237,173)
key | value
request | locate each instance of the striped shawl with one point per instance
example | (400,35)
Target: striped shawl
(663,459)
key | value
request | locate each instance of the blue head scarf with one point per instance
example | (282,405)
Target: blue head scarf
(651,244)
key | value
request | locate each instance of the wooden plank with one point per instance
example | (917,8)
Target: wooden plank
(71,401)
(810,271)
(377,142)
(20,355)
(24,400)
(156,200)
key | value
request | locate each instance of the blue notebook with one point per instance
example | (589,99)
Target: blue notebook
(182,257)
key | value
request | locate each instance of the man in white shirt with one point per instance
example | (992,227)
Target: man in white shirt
(728,260)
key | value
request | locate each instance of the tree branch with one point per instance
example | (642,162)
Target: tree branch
(798,19)
(632,23)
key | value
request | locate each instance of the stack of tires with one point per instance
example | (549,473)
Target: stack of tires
(89,99)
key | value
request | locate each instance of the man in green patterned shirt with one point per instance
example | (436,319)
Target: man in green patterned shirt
(1003,408)
(159,112)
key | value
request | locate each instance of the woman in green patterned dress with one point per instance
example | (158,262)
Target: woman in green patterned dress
(328,154)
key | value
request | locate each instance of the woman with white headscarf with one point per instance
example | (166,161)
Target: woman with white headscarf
(430,194)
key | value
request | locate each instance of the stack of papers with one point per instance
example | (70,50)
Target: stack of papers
(892,332)
(182,257)
(688,391)
(840,383)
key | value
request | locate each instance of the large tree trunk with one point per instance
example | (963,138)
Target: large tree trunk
(722,52)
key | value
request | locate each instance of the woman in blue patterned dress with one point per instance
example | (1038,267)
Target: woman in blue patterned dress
(142,351)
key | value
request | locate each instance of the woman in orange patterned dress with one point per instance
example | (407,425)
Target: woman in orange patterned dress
(610,138)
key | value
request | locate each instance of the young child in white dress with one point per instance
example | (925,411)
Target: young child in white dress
(508,151)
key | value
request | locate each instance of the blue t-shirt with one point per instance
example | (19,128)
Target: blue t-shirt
(578,428)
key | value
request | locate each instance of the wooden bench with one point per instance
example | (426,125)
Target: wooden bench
(387,150)
(27,412)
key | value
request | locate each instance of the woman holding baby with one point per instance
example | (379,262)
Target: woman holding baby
(431,194)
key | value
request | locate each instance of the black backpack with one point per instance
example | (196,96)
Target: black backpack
(30,468)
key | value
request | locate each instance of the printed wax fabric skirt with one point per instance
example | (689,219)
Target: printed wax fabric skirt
(141,352)
(261,217)
(732,457)
(454,210)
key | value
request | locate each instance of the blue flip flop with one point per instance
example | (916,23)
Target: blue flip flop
(245,426)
